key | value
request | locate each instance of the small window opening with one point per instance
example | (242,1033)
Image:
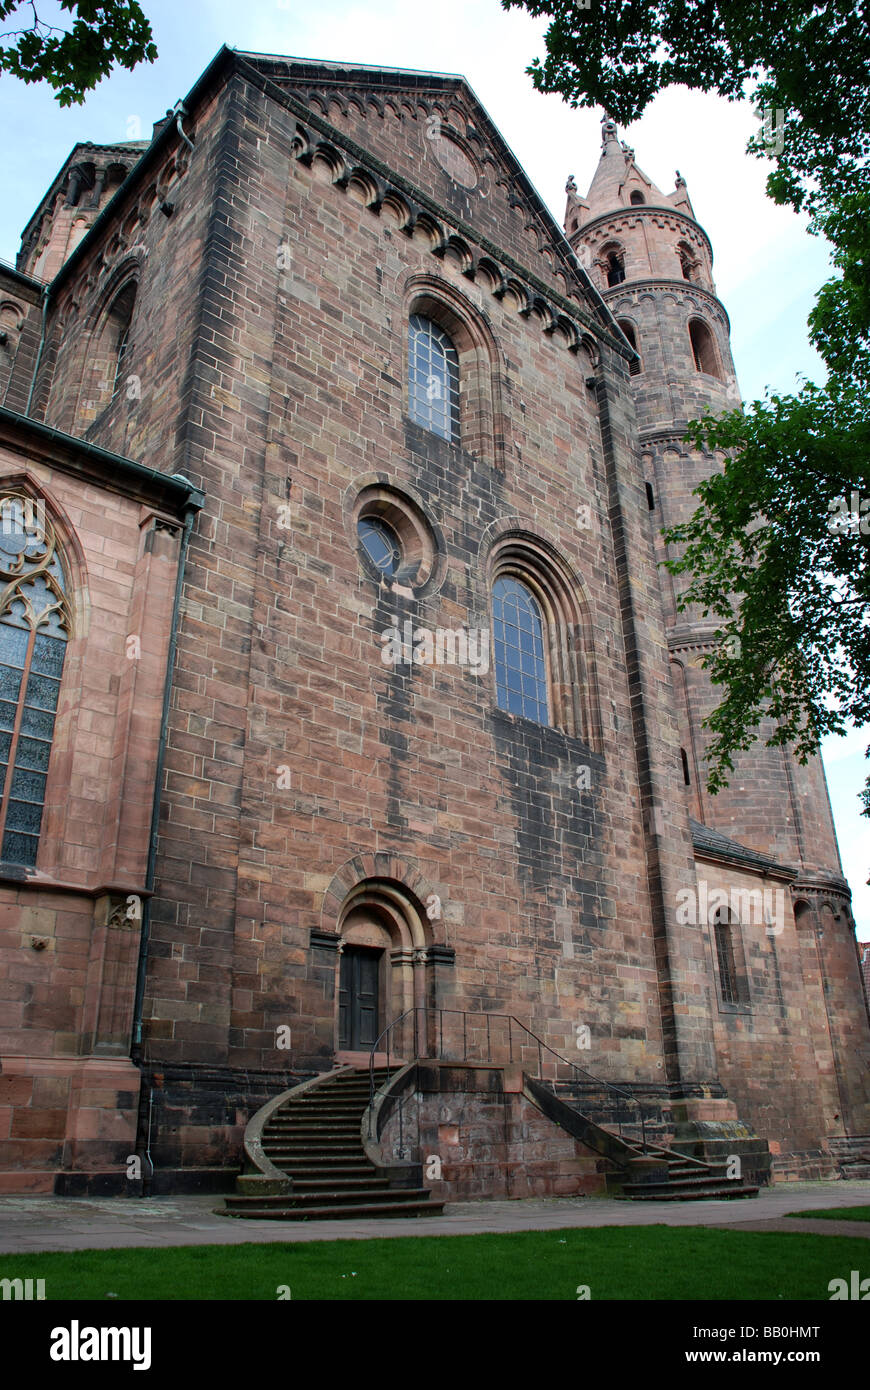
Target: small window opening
(615,269)
(637,198)
(684,760)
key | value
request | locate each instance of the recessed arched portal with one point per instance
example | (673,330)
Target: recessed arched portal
(384,934)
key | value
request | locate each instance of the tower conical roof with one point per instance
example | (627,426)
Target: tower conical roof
(618,176)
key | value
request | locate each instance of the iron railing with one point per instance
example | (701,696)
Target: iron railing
(478,1044)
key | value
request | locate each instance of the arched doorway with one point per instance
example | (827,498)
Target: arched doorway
(363,980)
(381,972)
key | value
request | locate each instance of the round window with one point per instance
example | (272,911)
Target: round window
(380,543)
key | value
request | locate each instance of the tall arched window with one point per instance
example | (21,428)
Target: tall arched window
(542,638)
(34,626)
(118,330)
(518,642)
(628,329)
(703,348)
(729,980)
(615,268)
(433,378)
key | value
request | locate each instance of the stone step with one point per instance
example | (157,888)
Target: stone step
(312,1152)
(330,1196)
(327,1167)
(324,1103)
(283,1119)
(729,1193)
(364,1182)
(421,1207)
(313,1127)
(686,1189)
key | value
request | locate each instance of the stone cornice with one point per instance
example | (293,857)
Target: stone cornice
(687,287)
(644,210)
(32,439)
(132,149)
(821,885)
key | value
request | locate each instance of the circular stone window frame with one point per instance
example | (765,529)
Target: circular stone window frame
(424,560)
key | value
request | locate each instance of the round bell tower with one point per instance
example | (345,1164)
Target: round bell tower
(652,261)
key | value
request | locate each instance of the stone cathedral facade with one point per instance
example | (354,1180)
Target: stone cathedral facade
(345,703)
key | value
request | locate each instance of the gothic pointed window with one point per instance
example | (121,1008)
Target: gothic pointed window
(34,627)
(520,668)
(433,378)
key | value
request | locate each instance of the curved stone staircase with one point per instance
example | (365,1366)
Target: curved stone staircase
(641,1172)
(306,1158)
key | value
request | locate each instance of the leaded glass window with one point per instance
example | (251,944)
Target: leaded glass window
(518,633)
(728,979)
(380,543)
(433,378)
(34,626)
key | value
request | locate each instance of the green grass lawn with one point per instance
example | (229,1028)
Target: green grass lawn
(616,1262)
(836,1214)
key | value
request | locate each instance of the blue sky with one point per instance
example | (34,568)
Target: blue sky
(766,267)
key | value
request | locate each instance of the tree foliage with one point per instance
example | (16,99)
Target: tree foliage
(75,59)
(778,550)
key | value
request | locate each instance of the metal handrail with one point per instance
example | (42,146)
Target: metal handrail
(511,1019)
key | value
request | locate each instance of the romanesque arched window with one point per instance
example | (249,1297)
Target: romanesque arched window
(108,357)
(688,262)
(629,330)
(703,348)
(34,627)
(117,331)
(518,649)
(615,268)
(433,378)
(542,654)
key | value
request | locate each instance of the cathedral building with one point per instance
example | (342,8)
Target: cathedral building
(346,707)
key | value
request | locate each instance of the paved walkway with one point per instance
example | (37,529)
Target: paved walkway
(29,1224)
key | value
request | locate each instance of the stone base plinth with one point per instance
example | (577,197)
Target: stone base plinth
(710,1130)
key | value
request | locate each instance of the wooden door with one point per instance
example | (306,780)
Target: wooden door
(358,1002)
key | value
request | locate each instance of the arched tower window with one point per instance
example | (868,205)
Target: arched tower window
(629,330)
(615,268)
(689,263)
(34,627)
(518,646)
(433,378)
(637,198)
(703,348)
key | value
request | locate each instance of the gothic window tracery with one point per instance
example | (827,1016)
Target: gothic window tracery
(34,629)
